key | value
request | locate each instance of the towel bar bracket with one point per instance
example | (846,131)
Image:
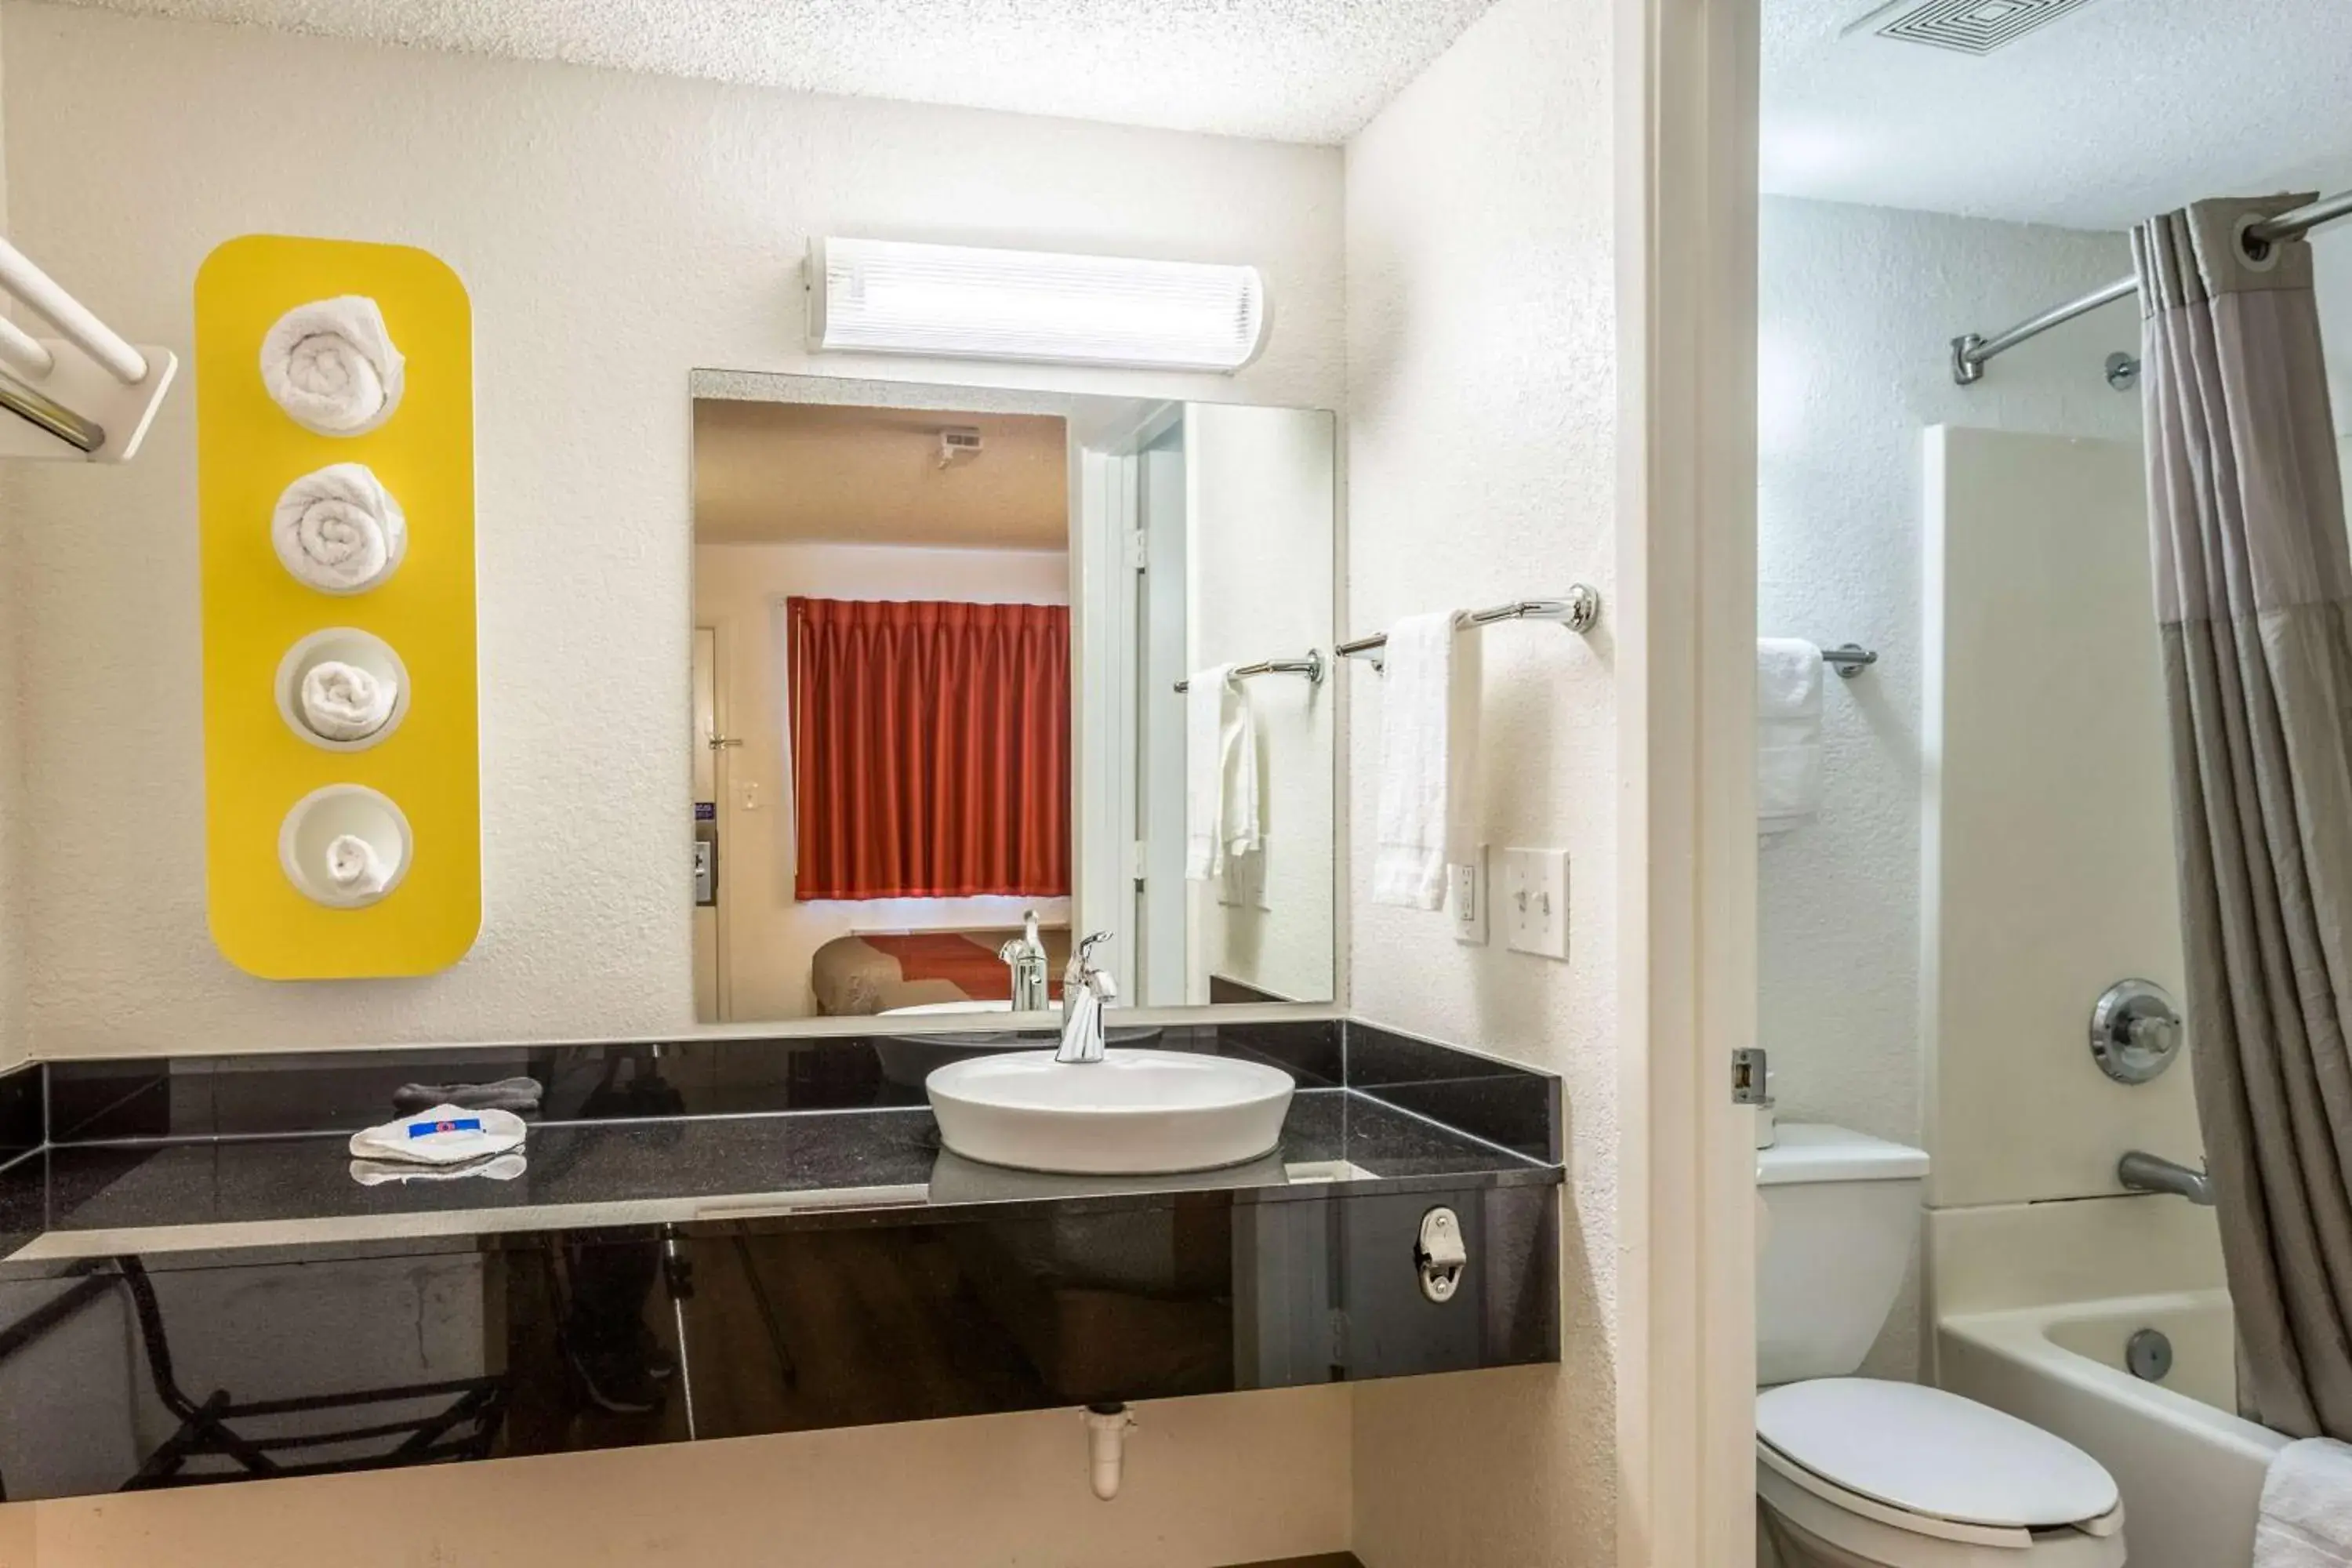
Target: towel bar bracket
(1849,660)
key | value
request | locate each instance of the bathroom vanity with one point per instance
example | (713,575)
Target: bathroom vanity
(719,1238)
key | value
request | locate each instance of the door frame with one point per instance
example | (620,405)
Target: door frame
(1687,105)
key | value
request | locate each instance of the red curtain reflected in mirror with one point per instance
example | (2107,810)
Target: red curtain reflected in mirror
(930,749)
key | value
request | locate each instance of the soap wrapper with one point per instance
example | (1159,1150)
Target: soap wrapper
(442,1135)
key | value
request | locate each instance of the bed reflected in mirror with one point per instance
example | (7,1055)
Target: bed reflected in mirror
(945,707)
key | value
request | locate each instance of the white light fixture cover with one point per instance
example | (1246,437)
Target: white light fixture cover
(880,296)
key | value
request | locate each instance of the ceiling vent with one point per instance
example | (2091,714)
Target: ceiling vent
(1970,26)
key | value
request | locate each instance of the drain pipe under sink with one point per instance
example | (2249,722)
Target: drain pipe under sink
(1108,1426)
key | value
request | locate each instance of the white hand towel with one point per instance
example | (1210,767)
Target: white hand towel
(1787,733)
(343,702)
(1237,780)
(354,867)
(331,367)
(1428,757)
(1207,693)
(339,530)
(2306,1513)
(444,1135)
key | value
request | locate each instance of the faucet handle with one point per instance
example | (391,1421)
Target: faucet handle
(1082,969)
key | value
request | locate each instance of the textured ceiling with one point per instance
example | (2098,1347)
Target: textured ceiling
(773,473)
(2113,111)
(1293,71)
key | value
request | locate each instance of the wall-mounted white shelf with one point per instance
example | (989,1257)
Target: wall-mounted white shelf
(85,397)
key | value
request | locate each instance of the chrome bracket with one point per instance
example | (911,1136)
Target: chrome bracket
(1967,368)
(1439,1254)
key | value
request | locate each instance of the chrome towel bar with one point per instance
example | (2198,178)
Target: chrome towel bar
(1311,667)
(1578,611)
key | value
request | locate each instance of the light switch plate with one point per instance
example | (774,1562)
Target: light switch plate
(1535,901)
(1467,895)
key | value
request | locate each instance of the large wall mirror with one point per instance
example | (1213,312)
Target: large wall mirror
(949,651)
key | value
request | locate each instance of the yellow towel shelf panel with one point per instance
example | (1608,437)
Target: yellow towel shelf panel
(256,767)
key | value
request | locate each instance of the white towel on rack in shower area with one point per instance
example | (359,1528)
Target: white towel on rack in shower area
(1429,756)
(1787,733)
(2306,1513)
(331,365)
(1221,765)
(339,530)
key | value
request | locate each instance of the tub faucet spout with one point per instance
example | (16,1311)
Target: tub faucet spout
(2141,1171)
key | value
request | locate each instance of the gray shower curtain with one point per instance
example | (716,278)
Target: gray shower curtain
(2252,581)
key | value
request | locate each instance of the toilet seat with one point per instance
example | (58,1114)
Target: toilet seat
(1913,1477)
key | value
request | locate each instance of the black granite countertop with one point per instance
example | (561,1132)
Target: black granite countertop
(196,1154)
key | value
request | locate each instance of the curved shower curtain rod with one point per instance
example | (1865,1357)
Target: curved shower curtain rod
(1971,349)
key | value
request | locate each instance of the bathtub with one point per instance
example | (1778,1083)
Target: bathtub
(2190,1470)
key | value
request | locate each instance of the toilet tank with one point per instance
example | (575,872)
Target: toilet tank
(1841,1221)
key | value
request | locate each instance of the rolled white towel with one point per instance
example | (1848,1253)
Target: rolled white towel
(354,867)
(343,702)
(331,365)
(339,530)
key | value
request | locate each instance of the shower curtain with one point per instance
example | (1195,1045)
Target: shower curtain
(2252,583)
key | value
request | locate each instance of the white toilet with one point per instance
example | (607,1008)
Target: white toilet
(1859,1473)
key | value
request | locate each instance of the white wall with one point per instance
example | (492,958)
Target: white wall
(1857,307)
(1481,467)
(1260,486)
(739,592)
(616,232)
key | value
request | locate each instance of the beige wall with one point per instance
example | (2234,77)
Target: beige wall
(616,232)
(976,1493)
(1481,460)
(738,590)
(2049,867)
(13,1043)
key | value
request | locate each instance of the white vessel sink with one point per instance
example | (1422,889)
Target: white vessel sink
(1132,1113)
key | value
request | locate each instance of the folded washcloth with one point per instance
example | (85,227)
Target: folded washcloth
(443,1135)
(344,702)
(331,365)
(499,1168)
(2306,1510)
(1787,733)
(1428,761)
(339,530)
(505,1094)
(354,867)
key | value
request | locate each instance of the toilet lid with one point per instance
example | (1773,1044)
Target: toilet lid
(1928,1452)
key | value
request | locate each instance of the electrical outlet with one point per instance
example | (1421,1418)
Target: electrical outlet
(1466,889)
(1535,901)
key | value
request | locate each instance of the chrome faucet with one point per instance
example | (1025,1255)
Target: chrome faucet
(1026,956)
(1085,989)
(2141,1171)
